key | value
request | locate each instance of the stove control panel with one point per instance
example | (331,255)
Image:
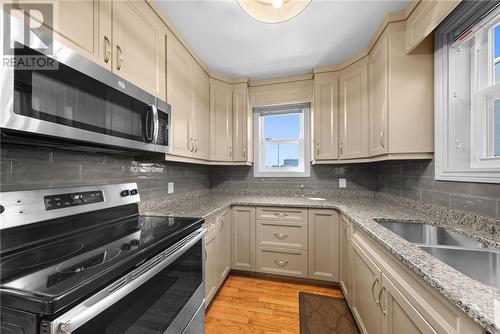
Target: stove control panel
(60,201)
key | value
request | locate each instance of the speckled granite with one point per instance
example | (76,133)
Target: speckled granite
(479,301)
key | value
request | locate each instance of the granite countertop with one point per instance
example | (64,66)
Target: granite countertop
(475,299)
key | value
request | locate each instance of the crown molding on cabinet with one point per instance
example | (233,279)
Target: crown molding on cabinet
(273,81)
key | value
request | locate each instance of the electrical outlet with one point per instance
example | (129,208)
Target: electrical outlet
(170,187)
(342,183)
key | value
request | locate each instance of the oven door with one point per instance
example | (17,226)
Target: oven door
(161,296)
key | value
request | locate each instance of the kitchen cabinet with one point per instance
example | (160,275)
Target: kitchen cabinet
(240,122)
(221,121)
(243,238)
(399,316)
(325,116)
(201,114)
(401,107)
(139,45)
(323,231)
(179,95)
(353,111)
(424,19)
(211,279)
(282,261)
(367,278)
(345,257)
(223,224)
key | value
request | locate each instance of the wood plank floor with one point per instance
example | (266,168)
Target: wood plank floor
(254,305)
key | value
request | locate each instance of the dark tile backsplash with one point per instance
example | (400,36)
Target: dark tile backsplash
(27,167)
(414,179)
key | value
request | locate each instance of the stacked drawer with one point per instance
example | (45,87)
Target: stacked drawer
(281,237)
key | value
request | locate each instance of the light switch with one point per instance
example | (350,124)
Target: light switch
(170,187)
(342,183)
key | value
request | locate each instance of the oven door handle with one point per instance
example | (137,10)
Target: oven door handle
(104,299)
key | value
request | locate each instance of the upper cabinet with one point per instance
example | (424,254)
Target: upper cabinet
(325,116)
(126,37)
(139,45)
(201,113)
(241,121)
(353,111)
(221,121)
(401,97)
(424,19)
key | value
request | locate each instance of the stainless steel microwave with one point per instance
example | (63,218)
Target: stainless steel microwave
(79,101)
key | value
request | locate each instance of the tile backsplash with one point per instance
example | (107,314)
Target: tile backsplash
(29,167)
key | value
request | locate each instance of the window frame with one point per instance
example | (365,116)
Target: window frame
(463,98)
(303,170)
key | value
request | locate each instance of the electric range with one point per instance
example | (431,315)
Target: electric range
(83,260)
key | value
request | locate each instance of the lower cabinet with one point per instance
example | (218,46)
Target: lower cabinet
(211,282)
(223,246)
(323,228)
(243,238)
(282,261)
(365,293)
(345,257)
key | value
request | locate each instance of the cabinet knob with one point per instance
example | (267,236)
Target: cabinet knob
(281,263)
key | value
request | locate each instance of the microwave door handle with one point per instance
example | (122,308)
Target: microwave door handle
(147,125)
(156,124)
(90,308)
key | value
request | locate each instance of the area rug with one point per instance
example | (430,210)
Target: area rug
(325,315)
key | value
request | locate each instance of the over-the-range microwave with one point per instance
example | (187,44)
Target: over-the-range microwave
(79,101)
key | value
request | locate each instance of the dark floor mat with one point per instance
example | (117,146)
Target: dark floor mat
(325,315)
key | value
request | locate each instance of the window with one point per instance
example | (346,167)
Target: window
(467,84)
(281,141)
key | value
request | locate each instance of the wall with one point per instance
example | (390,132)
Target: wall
(323,177)
(414,179)
(26,167)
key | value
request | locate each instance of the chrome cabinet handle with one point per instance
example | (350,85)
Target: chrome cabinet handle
(281,263)
(206,255)
(380,298)
(221,224)
(230,151)
(382,138)
(195,146)
(244,152)
(119,57)
(373,294)
(341,148)
(317,149)
(191,144)
(280,214)
(345,232)
(107,49)
(281,236)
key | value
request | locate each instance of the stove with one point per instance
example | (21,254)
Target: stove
(83,260)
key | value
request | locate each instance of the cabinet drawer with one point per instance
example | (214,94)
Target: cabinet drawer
(281,234)
(288,214)
(282,261)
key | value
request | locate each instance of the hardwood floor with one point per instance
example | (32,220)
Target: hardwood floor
(254,305)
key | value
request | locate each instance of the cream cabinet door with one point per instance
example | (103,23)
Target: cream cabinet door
(211,282)
(85,26)
(243,238)
(179,95)
(221,121)
(240,122)
(399,315)
(139,46)
(378,62)
(345,257)
(223,247)
(323,230)
(353,111)
(325,114)
(201,113)
(366,278)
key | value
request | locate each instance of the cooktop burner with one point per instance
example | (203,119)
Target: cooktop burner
(42,255)
(88,260)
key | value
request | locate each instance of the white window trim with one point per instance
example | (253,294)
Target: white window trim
(481,167)
(304,168)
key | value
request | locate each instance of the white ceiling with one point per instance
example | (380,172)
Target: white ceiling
(233,44)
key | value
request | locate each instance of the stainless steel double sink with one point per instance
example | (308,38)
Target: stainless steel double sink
(471,257)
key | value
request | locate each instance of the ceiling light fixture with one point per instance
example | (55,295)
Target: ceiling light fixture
(273,11)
